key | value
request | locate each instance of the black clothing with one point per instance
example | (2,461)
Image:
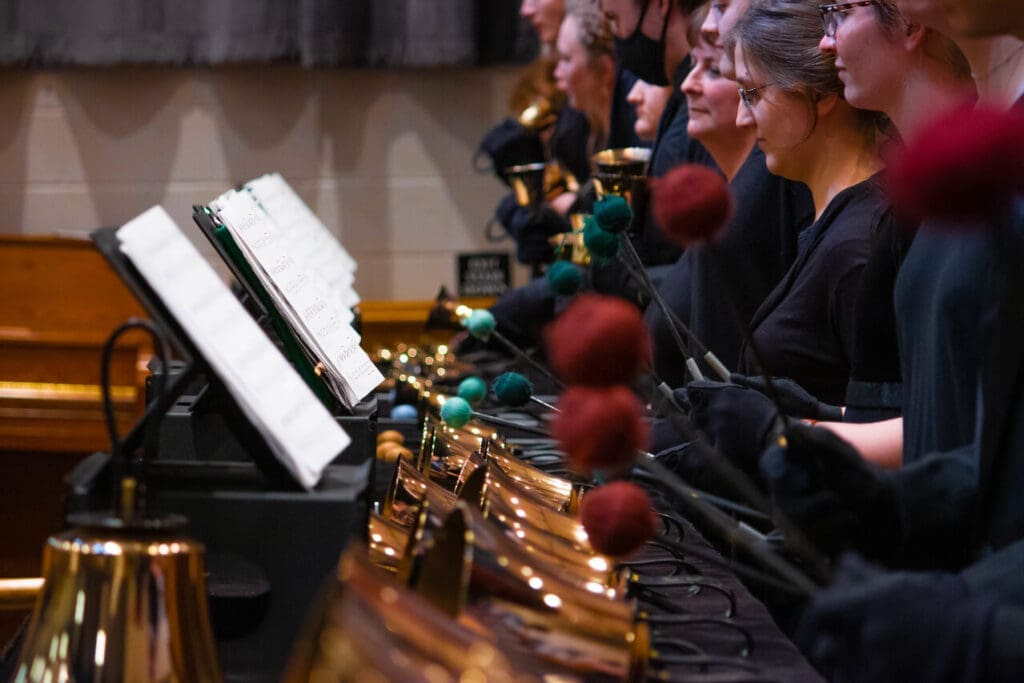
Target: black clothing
(1001,442)
(756,250)
(569,142)
(672,146)
(804,330)
(521,313)
(945,296)
(875,391)
(959,307)
(622,128)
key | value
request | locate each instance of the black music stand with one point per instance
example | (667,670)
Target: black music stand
(269,543)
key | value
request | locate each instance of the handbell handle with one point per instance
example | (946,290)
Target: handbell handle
(19,594)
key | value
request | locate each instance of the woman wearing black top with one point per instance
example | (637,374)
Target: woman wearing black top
(757,247)
(791,95)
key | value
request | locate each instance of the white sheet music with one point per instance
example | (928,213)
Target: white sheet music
(318,317)
(297,427)
(314,244)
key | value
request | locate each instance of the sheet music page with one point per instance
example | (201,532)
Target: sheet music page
(304,296)
(297,427)
(315,244)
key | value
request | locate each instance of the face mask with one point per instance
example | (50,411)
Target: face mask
(643,56)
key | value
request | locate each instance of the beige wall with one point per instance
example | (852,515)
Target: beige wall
(383,157)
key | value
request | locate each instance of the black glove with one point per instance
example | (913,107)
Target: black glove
(796,401)
(873,625)
(736,420)
(820,482)
(531,228)
(509,144)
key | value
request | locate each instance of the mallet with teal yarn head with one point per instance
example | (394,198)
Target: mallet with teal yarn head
(472,389)
(481,325)
(456,412)
(612,216)
(514,390)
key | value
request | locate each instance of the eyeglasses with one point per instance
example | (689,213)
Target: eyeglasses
(832,15)
(749,95)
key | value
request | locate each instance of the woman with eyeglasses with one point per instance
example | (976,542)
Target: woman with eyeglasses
(959,296)
(807,327)
(910,73)
(757,247)
(792,97)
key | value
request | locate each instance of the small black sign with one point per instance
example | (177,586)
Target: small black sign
(484,274)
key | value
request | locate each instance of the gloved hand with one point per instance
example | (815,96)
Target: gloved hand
(736,420)
(510,144)
(796,401)
(821,483)
(874,625)
(531,228)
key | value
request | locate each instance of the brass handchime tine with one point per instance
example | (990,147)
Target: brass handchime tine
(370,627)
(507,590)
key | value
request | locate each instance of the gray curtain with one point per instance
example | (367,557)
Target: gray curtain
(395,33)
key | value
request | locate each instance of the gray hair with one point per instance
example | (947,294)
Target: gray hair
(782,36)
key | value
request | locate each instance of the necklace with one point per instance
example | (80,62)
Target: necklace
(992,71)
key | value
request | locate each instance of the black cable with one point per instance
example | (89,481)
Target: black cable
(120,460)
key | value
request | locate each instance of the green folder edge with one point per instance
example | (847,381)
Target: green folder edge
(293,350)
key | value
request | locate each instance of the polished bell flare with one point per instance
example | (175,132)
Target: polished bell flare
(622,172)
(538,115)
(408,488)
(571,558)
(527,181)
(562,536)
(388,542)
(558,179)
(624,161)
(448,450)
(120,603)
(569,246)
(473,572)
(369,627)
(415,504)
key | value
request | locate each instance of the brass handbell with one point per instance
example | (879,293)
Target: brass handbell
(477,574)
(527,181)
(558,179)
(371,628)
(570,244)
(452,447)
(622,172)
(388,543)
(122,601)
(538,115)
(562,546)
(413,503)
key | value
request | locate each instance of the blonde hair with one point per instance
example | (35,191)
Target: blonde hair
(594,30)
